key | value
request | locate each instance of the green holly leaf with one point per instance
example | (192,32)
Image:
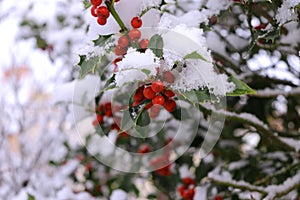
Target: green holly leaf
(271,35)
(110,84)
(87,4)
(241,88)
(127,121)
(102,40)
(30,197)
(41,43)
(143,119)
(156,44)
(199,96)
(195,55)
(88,65)
(146,71)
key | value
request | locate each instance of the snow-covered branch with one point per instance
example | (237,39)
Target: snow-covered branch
(270,93)
(251,120)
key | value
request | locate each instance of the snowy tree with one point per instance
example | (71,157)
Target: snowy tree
(171,99)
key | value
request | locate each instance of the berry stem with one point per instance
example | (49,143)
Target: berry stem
(111,8)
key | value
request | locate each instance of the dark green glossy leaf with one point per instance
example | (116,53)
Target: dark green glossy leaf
(143,119)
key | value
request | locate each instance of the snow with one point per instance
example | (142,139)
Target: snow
(198,74)
(286,12)
(276,92)
(288,184)
(201,193)
(185,172)
(118,195)
(237,165)
(291,142)
(130,68)
(102,145)
(277,155)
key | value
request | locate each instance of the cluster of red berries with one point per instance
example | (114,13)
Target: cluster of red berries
(106,110)
(144,148)
(132,37)
(101,12)
(187,190)
(159,96)
(102,110)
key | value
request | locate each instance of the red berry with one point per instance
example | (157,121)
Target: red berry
(93,11)
(157,86)
(108,106)
(138,96)
(181,190)
(119,51)
(101,21)
(168,77)
(89,167)
(100,119)
(96,2)
(170,105)
(154,111)
(136,22)
(95,123)
(134,34)
(149,105)
(190,193)
(80,157)
(158,100)
(123,135)
(218,197)
(188,181)
(109,113)
(149,93)
(145,148)
(114,126)
(123,41)
(144,43)
(169,93)
(136,103)
(260,26)
(102,11)
(116,61)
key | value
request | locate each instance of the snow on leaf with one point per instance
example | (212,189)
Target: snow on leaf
(241,88)
(88,65)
